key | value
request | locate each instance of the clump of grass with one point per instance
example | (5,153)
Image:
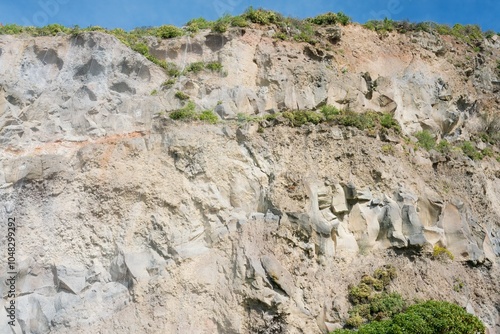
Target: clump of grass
(181,96)
(441,253)
(425,140)
(185,114)
(168,31)
(301,117)
(214,66)
(195,67)
(154,92)
(208,116)
(197,24)
(329,112)
(168,83)
(188,113)
(470,150)
(330,19)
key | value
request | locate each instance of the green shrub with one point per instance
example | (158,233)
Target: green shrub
(185,114)
(443,146)
(469,150)
(172,70)
(362,121)
(441,253)
(142,48)
(360,293)
(195,67)
(329,112)
(200,23)
(330,19)
(425,318)
(386,274)
(281,35)
(324,19)
(168,83)
(11,29)
(425,140)
(262,16)
(181,96)
(222,24)
(52,30)
(388,121)
(154,92)
(301,117)
(385,306)
(343,18)
(214,66)
(208,116)
(239,21)
(387,25)
(168,31)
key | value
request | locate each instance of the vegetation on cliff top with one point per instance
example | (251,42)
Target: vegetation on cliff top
(377,311)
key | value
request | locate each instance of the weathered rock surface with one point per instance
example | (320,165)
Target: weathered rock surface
(130,222)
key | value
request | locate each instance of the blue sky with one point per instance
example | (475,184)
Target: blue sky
(128,14)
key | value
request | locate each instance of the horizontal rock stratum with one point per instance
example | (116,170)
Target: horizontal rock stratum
(130,222)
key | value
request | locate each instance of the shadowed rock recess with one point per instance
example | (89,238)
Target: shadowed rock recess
(131,222)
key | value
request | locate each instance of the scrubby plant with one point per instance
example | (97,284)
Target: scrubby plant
(443,146)
(181,96)
(185,114)
(329,112)
(172,70)
(168,83)
(441,253)
(200,23)
(426,318)
(301,117)
(154,92)
(239,21)
(262,16)
(208,116)
(330,19)
(222,24)
(142,48)
(388,121)
(168,31)
(362,121)
(425,140)
(214,66)
(470,150)
(195,67)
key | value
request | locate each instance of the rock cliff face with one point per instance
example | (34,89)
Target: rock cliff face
(130,222)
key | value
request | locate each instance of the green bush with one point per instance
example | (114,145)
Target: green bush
(172,70)
(222,24)
(362,121)
(329,112)
(301,117)
(425,140)
(181,96)
(185,114)
(469,150)
(443,147)
(343,18)
(442,253)
(168,31)
(330,19)
(195,67)
(200,23)
(142,48)
(168,83)
(388,121)
(262,16)
(214,66)
(429,317)
(239,21)
(324,19)
(208,116)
